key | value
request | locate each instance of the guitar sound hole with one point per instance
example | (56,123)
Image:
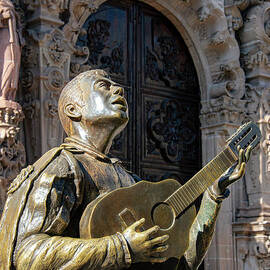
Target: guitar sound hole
(163,216)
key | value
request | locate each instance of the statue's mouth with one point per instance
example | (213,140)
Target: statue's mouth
(121,103)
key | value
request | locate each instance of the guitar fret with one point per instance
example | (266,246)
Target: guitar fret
(231,161)
(184,198)
(204,176)
(216,168)
(220,168)
(177,207)
(225,166)
(179,201)
(183,203)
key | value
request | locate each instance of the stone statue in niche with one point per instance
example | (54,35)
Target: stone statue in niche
(10,51)
(44,216)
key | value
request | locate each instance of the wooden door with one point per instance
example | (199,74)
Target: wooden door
(143,51)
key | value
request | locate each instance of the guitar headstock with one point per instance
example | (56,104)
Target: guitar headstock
(248,134)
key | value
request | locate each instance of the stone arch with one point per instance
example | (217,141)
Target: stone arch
(214,50)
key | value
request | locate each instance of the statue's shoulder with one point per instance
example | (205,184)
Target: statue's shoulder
(18,193)
(31,172)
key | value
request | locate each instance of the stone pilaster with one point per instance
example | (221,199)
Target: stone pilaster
(251,222)
(219,119)
(45,68)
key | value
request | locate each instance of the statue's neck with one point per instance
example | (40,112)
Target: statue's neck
(100,136)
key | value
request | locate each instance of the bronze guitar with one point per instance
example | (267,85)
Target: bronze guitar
(167,203)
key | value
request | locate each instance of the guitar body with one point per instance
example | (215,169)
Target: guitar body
(120,208)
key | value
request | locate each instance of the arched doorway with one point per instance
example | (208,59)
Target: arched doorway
(142,50)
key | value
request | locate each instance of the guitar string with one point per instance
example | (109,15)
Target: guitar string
(189,192)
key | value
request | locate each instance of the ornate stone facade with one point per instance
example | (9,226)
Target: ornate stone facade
(229,42)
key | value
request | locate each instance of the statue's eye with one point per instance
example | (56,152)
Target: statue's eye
(103,84)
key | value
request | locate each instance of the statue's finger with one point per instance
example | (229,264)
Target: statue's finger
(152,230)
(240,173)
(157,260)
(159,249)
(241,157)
(136,225)
(247,154)
(159,240)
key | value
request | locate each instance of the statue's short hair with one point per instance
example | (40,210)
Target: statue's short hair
(72,93)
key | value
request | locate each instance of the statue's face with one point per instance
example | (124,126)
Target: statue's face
(104,100)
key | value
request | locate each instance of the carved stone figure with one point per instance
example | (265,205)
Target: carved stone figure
(40,227)
(10,51)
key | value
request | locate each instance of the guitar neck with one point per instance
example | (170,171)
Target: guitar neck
(190,191)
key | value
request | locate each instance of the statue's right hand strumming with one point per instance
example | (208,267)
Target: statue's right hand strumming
(143,247)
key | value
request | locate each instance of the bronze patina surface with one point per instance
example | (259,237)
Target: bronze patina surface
(39,228)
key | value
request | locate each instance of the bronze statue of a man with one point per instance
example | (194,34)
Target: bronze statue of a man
(39,228)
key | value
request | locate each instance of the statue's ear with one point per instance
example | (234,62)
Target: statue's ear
(73,112)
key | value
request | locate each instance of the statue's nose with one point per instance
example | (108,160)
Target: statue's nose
(118,91)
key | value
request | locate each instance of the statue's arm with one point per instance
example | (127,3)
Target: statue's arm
(39,251)
(201,233)
(42,234)
(202,230)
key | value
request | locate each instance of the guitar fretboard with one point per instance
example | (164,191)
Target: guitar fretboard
(189,192)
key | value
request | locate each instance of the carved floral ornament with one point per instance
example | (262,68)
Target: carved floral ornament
(170,127)
(56,79)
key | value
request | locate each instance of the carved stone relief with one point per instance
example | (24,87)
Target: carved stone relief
(171,130)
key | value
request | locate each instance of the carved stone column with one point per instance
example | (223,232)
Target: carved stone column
(251,225)
(46,63)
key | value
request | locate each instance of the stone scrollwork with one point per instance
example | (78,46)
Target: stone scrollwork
(222,110)
(244,4)
(79,12)
(234,17)
(262,253)
(230,80)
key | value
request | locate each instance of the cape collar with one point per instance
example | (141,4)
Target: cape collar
(88,149)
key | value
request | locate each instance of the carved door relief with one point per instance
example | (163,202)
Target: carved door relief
(143,51)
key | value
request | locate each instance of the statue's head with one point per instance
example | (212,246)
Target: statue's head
(92,102)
